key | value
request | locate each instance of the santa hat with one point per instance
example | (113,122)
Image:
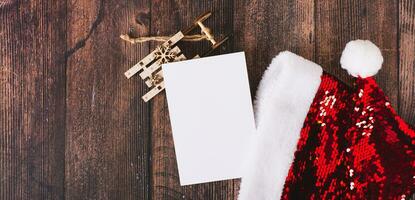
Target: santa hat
(320,138)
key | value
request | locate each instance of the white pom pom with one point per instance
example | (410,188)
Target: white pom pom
(361,58)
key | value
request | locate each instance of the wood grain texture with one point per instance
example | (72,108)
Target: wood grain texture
(167,18)
(72,126)
(107,124)
(407,60)
(265,28)
(32,100)
(338,22)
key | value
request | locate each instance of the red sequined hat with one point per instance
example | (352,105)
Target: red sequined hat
(318,138)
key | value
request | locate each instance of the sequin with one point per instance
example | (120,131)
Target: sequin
(351,172)
(355,155)
(351,185)
(361,93)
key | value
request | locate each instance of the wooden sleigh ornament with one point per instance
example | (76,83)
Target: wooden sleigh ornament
(149,68)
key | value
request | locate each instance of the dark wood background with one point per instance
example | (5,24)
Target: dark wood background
(72,126)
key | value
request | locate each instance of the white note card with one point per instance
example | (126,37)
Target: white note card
(211,116)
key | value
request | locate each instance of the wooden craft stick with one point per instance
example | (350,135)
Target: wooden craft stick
(153,92)
(146,60)
(156,65)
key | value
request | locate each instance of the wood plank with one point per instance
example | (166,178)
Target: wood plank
(167,17)
(107,142)
(32,99)
(338,22)
(264,28)
(407,60)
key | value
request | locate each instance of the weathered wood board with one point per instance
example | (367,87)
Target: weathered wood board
(73,127)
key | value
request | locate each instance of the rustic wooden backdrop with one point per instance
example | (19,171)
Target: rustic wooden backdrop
(72,126)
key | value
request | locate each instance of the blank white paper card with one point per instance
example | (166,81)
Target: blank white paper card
(211,116)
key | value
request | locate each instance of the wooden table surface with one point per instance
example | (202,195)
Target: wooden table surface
(72,126)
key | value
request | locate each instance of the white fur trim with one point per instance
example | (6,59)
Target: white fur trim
(361,58)
(283,99)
